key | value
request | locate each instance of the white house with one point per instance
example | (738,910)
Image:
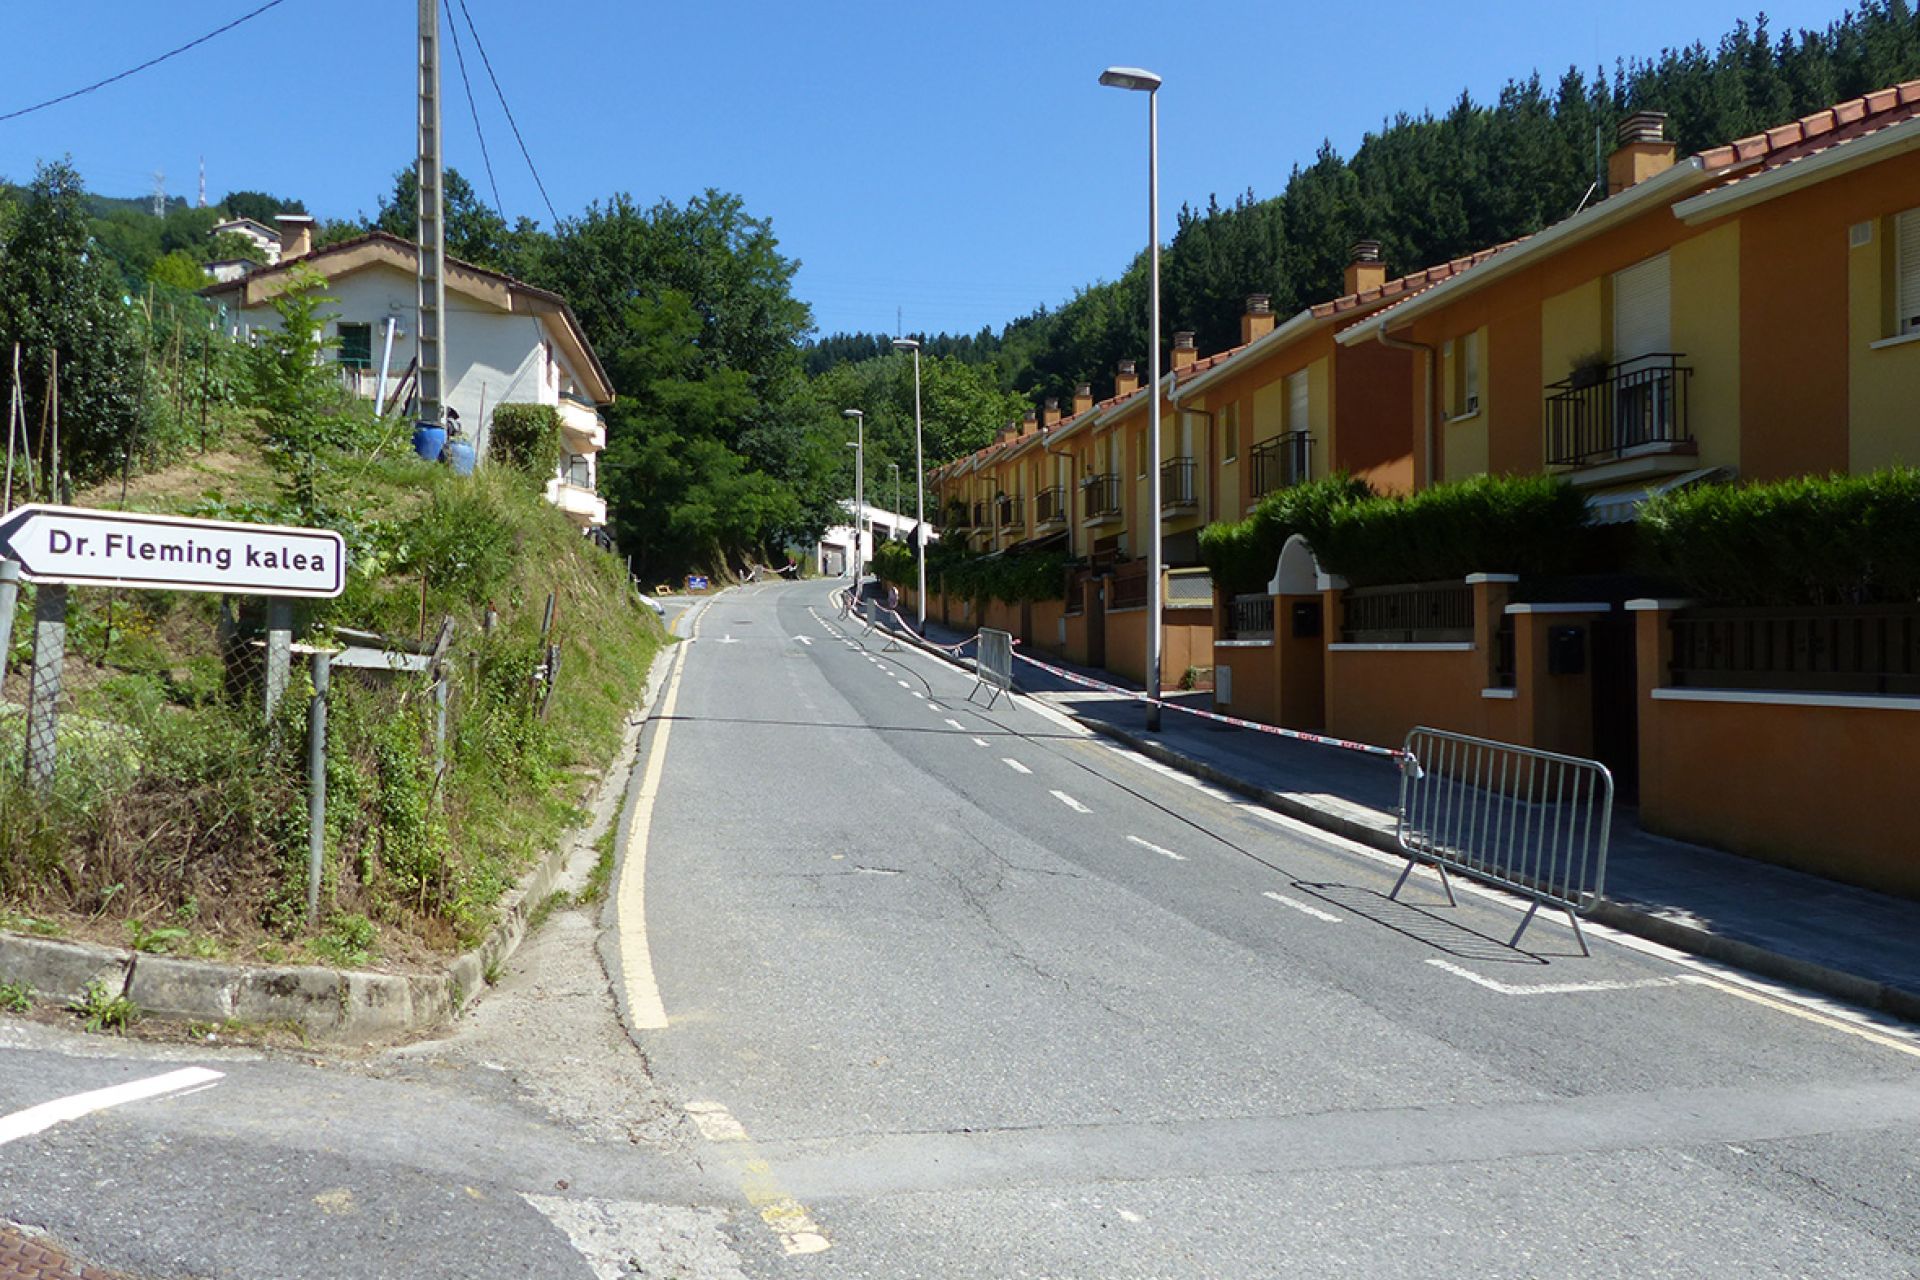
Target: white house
(832,556)
(506,341)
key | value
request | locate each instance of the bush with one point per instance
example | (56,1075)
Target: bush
(526,436)
(1804,541)
(1010,579)
(1529,525)
(1243,553)
(895,562)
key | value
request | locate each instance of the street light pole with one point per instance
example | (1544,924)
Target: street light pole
(895,468)
(919,481)
(859,494)
(1147,82)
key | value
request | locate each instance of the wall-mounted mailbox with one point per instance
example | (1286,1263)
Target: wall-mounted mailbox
(1567,651)
(1306,619)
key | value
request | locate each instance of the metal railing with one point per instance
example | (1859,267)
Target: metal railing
(1050,505)
(1177,489)
(980,516)
(1637,402)
(1852,649)
(992,664)
(1011,509)
(1189,588)
(1250,617)
(1128,591)
(1422,613)
(1532,821)
(1281,462)
(1100,497)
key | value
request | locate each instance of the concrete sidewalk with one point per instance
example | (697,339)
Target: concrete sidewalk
(1855,944)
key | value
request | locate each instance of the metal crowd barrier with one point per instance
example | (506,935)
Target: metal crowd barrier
(1531,821)
(993,664)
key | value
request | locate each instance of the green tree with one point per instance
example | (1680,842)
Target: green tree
(59,293)
(258,205)
(178,270)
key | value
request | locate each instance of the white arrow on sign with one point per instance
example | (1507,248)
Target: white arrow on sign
(83,547)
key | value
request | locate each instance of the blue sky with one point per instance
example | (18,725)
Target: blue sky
(957,161)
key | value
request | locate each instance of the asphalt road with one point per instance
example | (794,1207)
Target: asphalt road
(921,988)
(962,992)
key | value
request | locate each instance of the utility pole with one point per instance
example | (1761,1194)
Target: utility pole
(430,277)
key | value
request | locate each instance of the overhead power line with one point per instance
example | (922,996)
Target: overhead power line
(150,62)
(460,59)
(499,93)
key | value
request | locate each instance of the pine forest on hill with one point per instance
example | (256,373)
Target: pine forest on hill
(726,443)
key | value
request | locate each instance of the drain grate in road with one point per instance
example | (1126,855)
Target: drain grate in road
(25,1257)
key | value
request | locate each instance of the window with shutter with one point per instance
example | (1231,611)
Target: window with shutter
(1470,373)
(1297,401)
(1907,272)
(1642,309)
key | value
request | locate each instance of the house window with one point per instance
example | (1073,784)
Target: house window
(1462,357)
(356,346)
(1642,310)
(1906,272)
(1298,400)
(1230,433)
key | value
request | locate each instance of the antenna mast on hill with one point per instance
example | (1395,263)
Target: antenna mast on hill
(159,193)
(431,290)
(203,182)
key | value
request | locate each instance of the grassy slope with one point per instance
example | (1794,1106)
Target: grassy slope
(180,823)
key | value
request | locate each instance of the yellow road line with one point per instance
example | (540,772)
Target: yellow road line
(1809,1015)
(785,1216)
(644,1008)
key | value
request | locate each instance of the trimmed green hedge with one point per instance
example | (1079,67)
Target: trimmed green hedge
(1242,554)
(1534,526)
(527,436)
(1804,541)
(1010,579)
(895,562)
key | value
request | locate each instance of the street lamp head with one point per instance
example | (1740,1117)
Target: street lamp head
(906,344)
(852,413)
(1129,78)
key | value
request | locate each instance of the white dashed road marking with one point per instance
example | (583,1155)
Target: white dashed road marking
(1016,766)
(34,1120)
(1070,802)
(1304,908)
(956,724)
(979,742)
(1165,853)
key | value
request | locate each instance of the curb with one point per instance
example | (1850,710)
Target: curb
(336,1005)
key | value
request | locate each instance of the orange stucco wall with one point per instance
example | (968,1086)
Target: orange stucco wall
(1794,331)
(1043,633)
(1825,789)
(1254,669)
(1374,437)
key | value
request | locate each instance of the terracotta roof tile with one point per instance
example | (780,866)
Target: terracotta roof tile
(1831,124)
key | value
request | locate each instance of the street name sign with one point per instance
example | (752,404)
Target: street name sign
(80,546)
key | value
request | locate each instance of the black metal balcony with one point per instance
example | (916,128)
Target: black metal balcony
(980,516)
(1050,505)
(1010,510)
(1281,462)
(1177,489)
(1604,414)
(1100,498)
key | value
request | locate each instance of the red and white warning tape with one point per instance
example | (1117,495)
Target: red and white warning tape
(931,644)
(1298,735)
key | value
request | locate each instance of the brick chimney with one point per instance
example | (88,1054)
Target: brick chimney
(1050,411)
(1184,352)
(1258,320)
(1031,423)
(1366,270)
(296,235)
(1083,397)
(1643,151)
(1126,378)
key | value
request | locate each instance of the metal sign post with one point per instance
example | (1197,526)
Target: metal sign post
(43,689)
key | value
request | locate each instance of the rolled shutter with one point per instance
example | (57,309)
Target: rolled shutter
(1297,401)
(1642,309)
(1907,265)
